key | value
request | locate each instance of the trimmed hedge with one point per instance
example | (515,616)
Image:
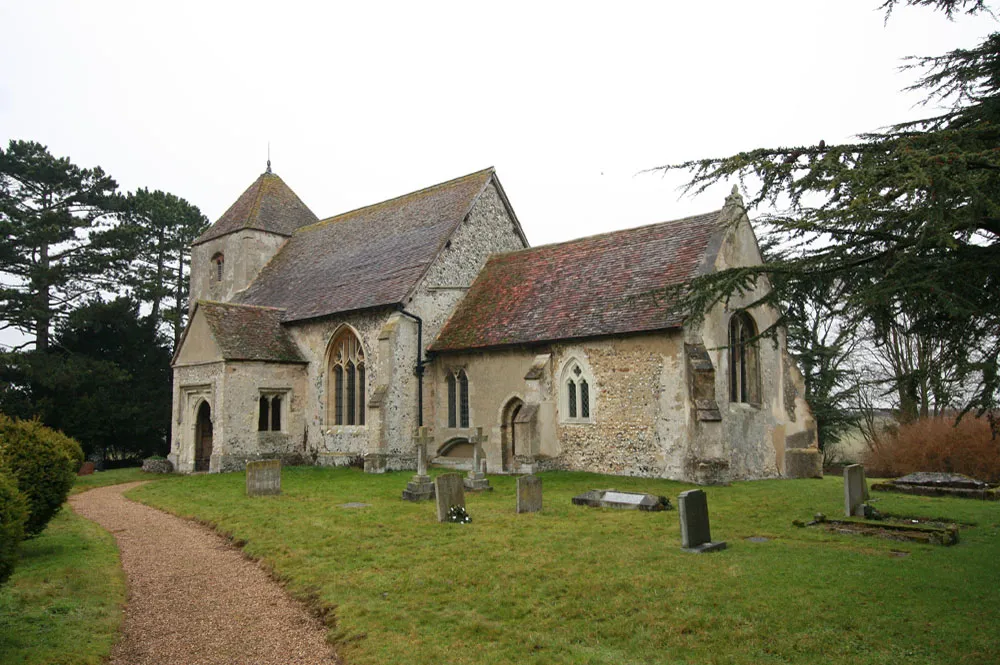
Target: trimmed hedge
(13,515)
(44,462)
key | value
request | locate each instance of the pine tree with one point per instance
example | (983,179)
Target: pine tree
(907,220)
(58,241)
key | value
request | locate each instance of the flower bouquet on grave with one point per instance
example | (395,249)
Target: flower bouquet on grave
(458,515)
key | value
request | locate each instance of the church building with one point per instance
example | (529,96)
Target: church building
(331,341)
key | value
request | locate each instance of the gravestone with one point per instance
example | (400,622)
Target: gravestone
(529,494)
(420,487)
(448,491)
(696,536)
(264,477)
(477,481)
(86,469)
(622,500)
(855,490)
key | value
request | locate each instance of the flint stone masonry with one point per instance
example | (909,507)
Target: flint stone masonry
(622,500)
(855,490)
(156,466)
(696,535)
(448,491)
(529,494)
(264,477)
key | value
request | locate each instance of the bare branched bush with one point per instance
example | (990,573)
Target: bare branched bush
(937,444)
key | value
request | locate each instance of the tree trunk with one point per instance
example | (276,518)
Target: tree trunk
(42,298)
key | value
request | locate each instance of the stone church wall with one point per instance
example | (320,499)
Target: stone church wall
(245,253)
(192,385)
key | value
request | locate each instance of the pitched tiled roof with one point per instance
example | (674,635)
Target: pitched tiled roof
(366,258)
(594,286)
(267,205)
(249,333)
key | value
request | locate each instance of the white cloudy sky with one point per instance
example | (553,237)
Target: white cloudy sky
(363,101)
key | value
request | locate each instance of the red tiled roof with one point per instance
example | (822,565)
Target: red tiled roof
(267,205)
(365,258)
(594,286)
(249,333)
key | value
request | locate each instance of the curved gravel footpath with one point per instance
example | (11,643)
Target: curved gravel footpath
(193,598)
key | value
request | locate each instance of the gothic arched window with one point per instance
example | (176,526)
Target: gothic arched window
(744,366)
(347,380)
(458,398)
(576,393)
(218,262)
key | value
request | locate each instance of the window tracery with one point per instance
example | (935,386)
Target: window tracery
(575,393)
(347,384)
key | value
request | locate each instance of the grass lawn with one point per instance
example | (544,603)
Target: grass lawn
(112,477)
(584,585)
(63,604)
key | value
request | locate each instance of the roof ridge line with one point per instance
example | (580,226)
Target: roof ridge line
(239,304)
(333,218)
(605,233)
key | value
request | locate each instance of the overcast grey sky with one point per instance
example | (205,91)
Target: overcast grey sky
(364,101)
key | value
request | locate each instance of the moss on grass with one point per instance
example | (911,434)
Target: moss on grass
(63,604)
(583,585)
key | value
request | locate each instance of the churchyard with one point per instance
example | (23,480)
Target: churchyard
(574,584)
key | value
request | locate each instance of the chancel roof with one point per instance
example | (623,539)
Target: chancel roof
(244,332)
(370,257)
(267,205)
(601,285)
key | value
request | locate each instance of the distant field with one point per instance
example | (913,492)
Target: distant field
(583,585)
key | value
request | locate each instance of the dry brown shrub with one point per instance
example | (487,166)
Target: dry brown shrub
(937,444)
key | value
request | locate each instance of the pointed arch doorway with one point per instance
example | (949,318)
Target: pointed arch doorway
(203,438)
(508,437)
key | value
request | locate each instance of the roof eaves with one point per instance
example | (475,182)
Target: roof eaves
(552,340)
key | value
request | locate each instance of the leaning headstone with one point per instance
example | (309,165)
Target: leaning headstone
(529,494)
(420,487)
(477,481)
(855,490)
(696,536)
(448,492)
(264,477)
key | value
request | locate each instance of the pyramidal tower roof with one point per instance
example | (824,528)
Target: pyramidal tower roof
(267,205)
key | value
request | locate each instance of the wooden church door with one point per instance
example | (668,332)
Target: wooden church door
(203,438)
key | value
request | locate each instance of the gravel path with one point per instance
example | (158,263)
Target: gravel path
(193,598)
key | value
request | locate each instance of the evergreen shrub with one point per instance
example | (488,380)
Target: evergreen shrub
(44,462)
(13,515)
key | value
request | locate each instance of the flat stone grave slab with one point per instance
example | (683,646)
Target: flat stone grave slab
(354,504)
(622,500)
(448,491)
(940,484)
(529,494)
(264,477)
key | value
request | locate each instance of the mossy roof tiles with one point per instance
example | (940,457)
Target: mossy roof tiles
(600,285)
(245,332)
(267,205)
(370,257)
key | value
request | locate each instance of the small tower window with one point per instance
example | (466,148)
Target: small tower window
(218,263)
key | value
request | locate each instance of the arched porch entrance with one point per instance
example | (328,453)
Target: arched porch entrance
(508,439)
(203,438)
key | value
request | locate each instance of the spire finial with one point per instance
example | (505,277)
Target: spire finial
(268,156)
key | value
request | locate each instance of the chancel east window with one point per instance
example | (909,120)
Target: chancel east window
(269,413)
(744,365)
(347,380)
(458,398)
(218,262)
(577,384)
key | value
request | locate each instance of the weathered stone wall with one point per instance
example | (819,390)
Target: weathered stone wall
(638,407)
(246,252)
(752,438)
